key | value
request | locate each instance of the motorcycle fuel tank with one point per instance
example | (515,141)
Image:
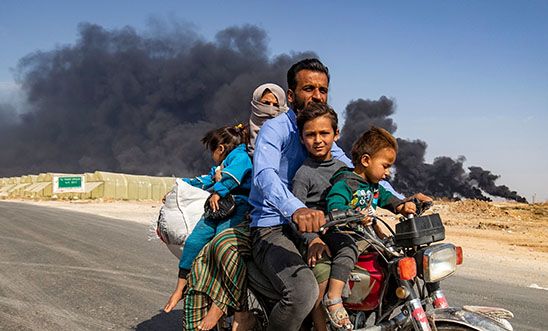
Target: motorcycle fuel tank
(365,283)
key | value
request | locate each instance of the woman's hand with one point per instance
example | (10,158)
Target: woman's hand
(316,248)
(214,201)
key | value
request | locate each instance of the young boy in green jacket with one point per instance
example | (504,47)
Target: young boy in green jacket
(372,155)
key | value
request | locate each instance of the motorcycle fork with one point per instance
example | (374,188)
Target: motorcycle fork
(436,295)
(414,308)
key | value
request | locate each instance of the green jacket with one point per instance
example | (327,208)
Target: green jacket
(350,191)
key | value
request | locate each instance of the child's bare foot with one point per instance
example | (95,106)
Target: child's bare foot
(176,296)
(211,318)
(243,321)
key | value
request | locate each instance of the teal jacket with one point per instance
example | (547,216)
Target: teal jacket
(236,176)
(350,191)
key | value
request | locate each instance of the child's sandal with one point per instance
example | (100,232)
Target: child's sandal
(340,314)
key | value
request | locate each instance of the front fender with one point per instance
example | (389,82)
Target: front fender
(469,317)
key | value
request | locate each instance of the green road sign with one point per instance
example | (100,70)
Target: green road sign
(70,182)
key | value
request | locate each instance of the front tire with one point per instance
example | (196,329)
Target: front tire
(444,326)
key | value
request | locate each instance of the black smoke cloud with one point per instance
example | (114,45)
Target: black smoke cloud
(485,180)
(445,177)
(118,100)
(377,114)
(136,103)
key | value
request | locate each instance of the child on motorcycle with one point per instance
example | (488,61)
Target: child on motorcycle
(318,128)
(372,155)
(228,150)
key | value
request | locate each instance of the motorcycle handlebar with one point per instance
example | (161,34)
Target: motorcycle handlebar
(422,206)
(338,217)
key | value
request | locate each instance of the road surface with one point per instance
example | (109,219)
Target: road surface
(62,270)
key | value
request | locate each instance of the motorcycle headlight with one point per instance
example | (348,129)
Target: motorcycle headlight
(438,262)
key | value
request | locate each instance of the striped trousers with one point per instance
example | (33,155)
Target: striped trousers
(218,275)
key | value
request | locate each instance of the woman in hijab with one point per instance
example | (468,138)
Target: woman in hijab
(217,281)
(268,102)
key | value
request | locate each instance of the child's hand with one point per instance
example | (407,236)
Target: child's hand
(214,201)
(422,197)
(366,220)
(367,216)
(316,247)
(407,208)
(218,174)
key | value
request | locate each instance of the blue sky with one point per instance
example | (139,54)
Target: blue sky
(468,77)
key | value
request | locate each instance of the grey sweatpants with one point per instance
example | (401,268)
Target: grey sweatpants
(344,252)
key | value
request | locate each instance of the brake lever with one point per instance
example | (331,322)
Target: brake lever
(421,206)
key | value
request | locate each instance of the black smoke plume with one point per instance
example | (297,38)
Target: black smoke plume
(485,181)
(445,177)
(135,103)
(121,101)
(377,114)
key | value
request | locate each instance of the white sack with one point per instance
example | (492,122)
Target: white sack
(183,208)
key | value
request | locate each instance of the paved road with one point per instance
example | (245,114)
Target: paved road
(528,305)
(62,270)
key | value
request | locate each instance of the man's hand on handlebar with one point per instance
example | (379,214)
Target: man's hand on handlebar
(308,220)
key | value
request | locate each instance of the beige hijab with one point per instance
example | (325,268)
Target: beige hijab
(261,112)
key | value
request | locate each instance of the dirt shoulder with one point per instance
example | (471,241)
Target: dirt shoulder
(505,242)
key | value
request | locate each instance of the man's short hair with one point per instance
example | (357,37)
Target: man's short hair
(314,110)
(306,64)
(372,141)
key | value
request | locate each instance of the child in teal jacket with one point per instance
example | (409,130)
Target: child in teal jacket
(230,175)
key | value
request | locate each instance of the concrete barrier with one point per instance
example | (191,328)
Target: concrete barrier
(23,182)
(11,183)
(160,186)
(115,185)
(100,184)
(7,184)
(42,188)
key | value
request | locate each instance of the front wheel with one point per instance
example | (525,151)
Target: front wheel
(444,326)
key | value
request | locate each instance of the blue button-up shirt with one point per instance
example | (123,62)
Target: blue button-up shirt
(278,155)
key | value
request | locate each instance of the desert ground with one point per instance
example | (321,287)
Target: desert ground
(502,241)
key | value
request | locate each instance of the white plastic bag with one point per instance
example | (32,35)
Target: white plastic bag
(181,211)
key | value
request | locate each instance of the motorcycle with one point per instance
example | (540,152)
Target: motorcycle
(395,284)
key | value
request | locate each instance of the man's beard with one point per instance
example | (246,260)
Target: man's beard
(298,105)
